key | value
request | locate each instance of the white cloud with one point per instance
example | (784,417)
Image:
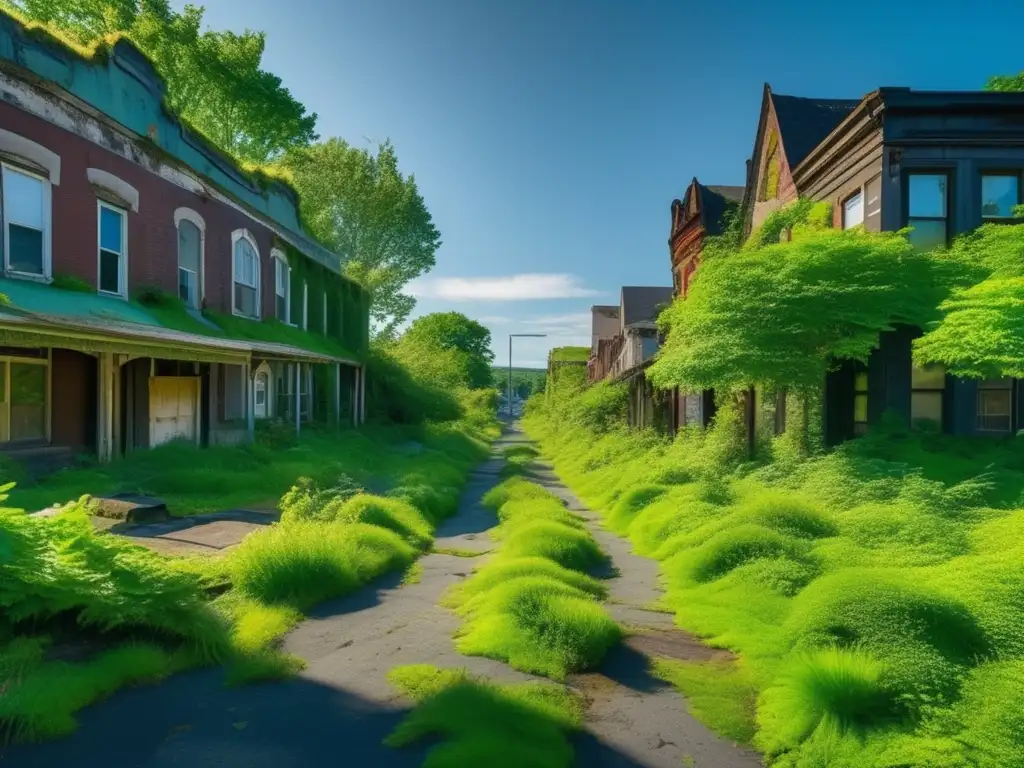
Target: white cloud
(524,287)
(494,320)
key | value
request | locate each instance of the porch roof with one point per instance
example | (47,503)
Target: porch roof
(93,322)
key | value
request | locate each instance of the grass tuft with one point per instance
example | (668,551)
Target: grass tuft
(482,723)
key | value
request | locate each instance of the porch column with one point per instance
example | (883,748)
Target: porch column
(337,395)
(250,403)
(105,407)
(362,396)
(353,397)
(298,398)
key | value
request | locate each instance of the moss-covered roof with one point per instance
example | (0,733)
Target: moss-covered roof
(167,324)
(569,354)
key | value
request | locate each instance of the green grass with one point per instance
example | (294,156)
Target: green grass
(41,699)
(473,722)
(721,695)
(569,354)
(302,564)
(872,593)
(459,552)
(517,487)
(59,571)
(532,605)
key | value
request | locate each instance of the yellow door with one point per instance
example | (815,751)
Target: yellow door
(173,409)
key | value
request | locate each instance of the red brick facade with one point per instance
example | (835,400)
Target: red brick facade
(152,236)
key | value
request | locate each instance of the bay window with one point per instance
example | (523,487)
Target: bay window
(25,200)
(113,249)
(246,294)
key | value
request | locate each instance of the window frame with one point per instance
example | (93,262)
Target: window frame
(305,305)
(281,260)
(863,203)
(192,217)
(122,272)
(47,274)
(1011,389)
(861,427)
(5,395)
(949,172)
(236,236)
(1018,174)
(939,390)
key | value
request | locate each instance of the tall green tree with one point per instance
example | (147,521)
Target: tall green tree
(1006,82)
(359,204)
(215,79)
(451,336)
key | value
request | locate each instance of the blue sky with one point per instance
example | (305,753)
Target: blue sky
(549,137)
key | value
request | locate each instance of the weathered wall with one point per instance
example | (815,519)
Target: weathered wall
(73,381)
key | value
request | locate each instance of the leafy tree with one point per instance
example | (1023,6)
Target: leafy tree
(981,334)
(361,206)
(1005,82)
(776,316)
(215,79)
(449,342)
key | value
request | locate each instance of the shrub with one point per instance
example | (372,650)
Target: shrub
(518,512)
(789,514)
(537,624)
(307,562)
(569,547)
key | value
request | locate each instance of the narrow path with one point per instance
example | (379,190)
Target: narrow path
(635,719)
(341,707)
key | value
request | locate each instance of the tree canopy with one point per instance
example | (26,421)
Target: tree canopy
(215,80)
(448,344)
(360,205)
(776,316)
(981,334)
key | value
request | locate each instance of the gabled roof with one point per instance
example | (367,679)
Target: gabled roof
(803,122)
(713,202)
(643,303)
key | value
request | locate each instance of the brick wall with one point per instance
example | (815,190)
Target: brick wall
(152,237)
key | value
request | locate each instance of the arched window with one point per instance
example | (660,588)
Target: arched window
(191,241)
(282,287)
(246,295)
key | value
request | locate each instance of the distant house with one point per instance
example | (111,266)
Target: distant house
(604,329)
(941,162)
(154,289)
(703,212)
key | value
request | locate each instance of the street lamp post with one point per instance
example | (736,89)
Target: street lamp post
(510,336)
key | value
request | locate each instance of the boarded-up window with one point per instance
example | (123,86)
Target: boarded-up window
(873,205)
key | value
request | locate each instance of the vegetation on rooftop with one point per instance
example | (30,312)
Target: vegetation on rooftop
(569,354)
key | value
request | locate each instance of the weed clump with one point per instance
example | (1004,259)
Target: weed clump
(482,723)
(305,563)
(563,544)
(394,514)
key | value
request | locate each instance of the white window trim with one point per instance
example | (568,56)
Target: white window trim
(280,256)
(112,183)
(859,197)
(122,277)
(47,227)
(305,305)
(245,234)
(16,145)
(187,214)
